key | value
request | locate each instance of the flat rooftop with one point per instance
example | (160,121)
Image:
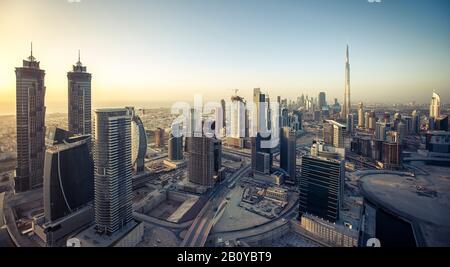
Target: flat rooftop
(423,199)
(90,238)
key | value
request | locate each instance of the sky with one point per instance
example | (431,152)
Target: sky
(143,53)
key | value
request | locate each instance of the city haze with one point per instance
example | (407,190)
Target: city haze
(156,52)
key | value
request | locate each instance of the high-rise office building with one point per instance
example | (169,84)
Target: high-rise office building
(321,187)
(435,106)
(333,133)
(224,110)
(415,117)
(159,137)
(346,106)
(288,141)
(391,155)
(138,141)
(68,187)
(259,114)
(237,117)
(68,176)
(381,129)
(204,159)
(350,123)
(112,169)
(372,120)
(175,144)
(327,133)
(441,123)
(79,99)
(30,123)
(360,115)
(322,100)
(339,131)
(262,158)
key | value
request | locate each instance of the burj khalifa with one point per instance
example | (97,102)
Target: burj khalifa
(346,107)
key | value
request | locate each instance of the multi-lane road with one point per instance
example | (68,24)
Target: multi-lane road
(198,233)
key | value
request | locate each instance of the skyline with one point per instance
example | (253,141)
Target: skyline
(183,49)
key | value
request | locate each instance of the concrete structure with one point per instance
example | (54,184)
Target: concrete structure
(54,233)
(113,170)
(435,106)
(332,234)
(159,137)
(335,133)
(204,159)
(237,117)
(259,113)
(129,236)
(391,155)
(30,123)
(79,99)
(361,115)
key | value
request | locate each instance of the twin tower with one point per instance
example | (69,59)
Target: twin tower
(30,117)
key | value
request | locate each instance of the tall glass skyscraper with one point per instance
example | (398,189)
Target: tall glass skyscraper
(112,169)
(346,106)
(30,121)
(79,99)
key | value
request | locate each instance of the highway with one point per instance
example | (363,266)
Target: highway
(198,233)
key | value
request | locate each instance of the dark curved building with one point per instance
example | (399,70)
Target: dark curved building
(68,177)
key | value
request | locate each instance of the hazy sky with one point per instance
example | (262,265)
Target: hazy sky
(166,50)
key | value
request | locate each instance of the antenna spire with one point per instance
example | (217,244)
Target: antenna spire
(79,60)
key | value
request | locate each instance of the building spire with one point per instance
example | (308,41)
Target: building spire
(347,60)
(31,58)
(79,55)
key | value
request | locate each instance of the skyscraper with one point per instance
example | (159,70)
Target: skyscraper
(68,187)
(259,116)
(346,106)
(415,117)
(159,137)
(322,100)
(68,177)
(113,169)
(435,106)
(288,142)
(30,123)
(79,99)
(237,117)
(321,187)
(262,158)
(175,145)
(204,159)
(333,133)
(350,123)
(224,117)
(360,115)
